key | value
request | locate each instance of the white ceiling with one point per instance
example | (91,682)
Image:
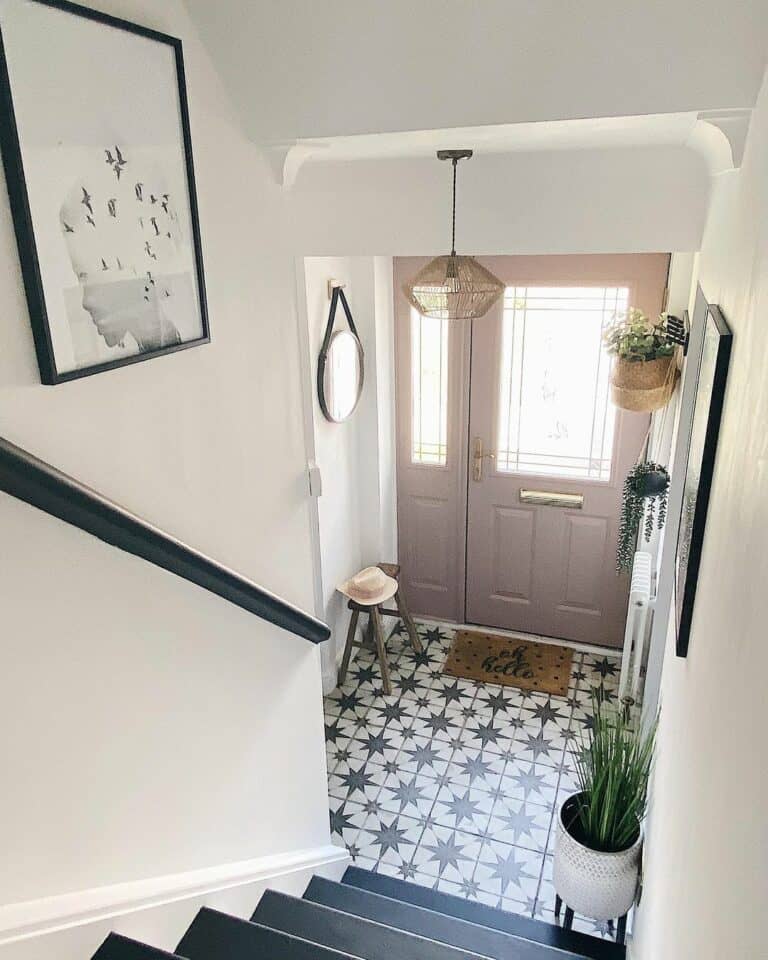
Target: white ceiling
(298,69)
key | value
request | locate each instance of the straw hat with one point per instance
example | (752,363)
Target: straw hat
(369,587)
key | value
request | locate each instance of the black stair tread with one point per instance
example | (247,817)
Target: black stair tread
(218,936)
(118,947)
(348,933)
(455,932)
(526,928)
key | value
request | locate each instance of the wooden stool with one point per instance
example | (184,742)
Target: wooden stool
(373,638)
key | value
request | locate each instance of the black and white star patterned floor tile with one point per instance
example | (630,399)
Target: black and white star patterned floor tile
(447,853)
(454,784)
(521,824)
(508,871)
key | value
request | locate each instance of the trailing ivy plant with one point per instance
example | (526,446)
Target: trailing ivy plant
(645,489)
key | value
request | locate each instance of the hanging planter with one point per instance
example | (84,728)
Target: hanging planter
(644,370)
(645,489)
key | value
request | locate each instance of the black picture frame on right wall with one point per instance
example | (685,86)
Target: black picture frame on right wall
(700,464)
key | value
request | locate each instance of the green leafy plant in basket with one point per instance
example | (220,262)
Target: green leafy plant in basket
(646,487)
(613,773)
(634,337)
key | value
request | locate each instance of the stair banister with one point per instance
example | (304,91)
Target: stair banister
(30,479)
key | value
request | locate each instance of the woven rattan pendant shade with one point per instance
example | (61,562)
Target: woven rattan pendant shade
(453,287)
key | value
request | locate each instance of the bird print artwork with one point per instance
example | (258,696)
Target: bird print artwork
(67,228)
(139,188)
(112,207)
(153,221)
(90,220)
(86,201)
(148,250)
(117,162)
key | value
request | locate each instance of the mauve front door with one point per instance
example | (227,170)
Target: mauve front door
(511,458)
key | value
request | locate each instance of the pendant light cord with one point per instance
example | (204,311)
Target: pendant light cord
(453,221)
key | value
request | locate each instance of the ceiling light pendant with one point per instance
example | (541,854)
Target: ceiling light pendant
(453,287)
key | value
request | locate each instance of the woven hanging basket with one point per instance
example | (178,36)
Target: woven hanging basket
(643,385)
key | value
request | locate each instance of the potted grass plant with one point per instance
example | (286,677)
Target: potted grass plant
(599,829)
(644,370)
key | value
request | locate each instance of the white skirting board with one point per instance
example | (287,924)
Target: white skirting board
(157,910)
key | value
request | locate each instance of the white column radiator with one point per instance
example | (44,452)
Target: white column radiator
(638,621)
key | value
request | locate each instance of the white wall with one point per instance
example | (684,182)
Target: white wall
(706,864)
(147,727)
(357,66)
(640,200)
(356,511)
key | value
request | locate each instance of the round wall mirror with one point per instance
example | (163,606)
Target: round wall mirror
(340,376)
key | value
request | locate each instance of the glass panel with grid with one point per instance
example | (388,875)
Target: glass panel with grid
(429,390)
(555,417)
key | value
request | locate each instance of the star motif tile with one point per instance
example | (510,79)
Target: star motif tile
(347,819)
(505,701)
(489,733)
(479,769)
(408,794)
(389,837)
(359,782)
(530,782)
(450,854)
(375,745)
(547,715)
(538,745)
(463,808)
(345,703)
(508,871)
(520,824)
(427,757)
(437,725)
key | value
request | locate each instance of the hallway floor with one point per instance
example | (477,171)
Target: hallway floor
(451,783)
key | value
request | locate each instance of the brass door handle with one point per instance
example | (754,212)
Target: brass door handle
(477,459)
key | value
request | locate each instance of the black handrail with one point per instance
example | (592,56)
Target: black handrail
(38,483)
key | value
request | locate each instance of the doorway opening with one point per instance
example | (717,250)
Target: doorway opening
(449,782)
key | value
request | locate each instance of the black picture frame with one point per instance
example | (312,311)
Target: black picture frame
(13,163)
(699,467)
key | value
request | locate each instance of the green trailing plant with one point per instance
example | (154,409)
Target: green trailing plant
(644,496)
(635,337)
(613,773)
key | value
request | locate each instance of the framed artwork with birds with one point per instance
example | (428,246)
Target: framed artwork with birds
(94,131)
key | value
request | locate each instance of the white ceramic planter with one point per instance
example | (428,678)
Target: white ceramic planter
(593,884)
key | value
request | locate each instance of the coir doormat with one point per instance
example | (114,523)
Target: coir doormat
(514,662)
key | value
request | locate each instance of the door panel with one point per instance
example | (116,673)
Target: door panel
(540,407)
(429,546)
(513,538)
(432,403)
(586,538)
